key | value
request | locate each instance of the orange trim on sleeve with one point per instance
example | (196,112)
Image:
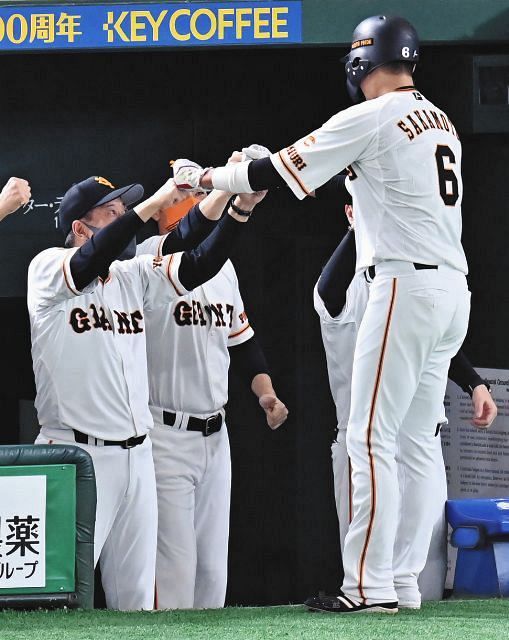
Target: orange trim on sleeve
(238,333)
(378,378)
(160,245)
(76,293)
(295,177)
(168,273)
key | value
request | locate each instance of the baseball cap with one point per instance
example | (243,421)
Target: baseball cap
(90,193)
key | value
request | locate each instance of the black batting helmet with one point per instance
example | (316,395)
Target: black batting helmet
(377,41)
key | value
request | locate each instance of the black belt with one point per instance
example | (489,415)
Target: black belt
(125,444)
(207,426)
(371,271)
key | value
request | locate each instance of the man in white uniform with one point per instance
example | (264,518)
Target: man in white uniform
(405,160)
(340,312)
(87,306)
(189,344)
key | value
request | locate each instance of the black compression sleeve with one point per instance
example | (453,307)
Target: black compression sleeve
(190,231)
(263,175)
(463,373)
(334,189)
(337,275)
(204,262)
(248,360)
(96,255)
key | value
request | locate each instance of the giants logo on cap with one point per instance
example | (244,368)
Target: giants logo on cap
(103,181)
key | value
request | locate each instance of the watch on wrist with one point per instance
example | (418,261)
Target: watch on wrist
(238,210)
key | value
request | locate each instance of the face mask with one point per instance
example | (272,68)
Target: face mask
(171,216)
(127,254)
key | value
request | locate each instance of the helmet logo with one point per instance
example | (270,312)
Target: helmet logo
(104,182)
(367,42)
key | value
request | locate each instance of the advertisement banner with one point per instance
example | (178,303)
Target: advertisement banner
(114,26)
(23,531)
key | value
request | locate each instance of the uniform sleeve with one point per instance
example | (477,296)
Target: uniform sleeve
(151,246)
(160,279)
(240,330)
(50,281)
(349,136)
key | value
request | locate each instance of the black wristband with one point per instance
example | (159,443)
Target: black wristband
(238,210)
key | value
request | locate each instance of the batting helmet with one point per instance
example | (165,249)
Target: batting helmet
(375,42)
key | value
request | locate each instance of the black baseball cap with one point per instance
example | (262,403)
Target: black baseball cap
(90,193)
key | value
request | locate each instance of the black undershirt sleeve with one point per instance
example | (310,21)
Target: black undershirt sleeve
(94,258)
(337,275)
(333,190)
(190,231)
(463,373)
(205,261)
(248,360)
(263,175)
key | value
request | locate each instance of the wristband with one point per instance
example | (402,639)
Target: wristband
(238,210)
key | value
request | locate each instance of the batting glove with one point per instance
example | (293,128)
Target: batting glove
(255,152)
(187,175)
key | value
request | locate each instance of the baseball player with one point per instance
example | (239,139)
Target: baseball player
(15,193)
(341,312)
(405,160)
(87,304)
(189,344)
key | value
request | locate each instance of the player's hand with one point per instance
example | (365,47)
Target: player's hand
(485,409)
(15,193)
(236,156)
(248,201)
(255,152)
(275,410)
(187,175)
(166,195)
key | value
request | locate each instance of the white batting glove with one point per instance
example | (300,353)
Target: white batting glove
(187,175)
(255,152)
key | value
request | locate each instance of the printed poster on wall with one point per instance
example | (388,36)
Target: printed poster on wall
(22,531)
(476,460)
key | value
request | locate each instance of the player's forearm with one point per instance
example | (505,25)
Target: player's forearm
(262,385)
(463,373)
(248,362)
(94,258)
(204,262)
(243,177)
(337,275)
(214,204)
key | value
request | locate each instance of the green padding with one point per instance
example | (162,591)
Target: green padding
(60,526)
(29,455)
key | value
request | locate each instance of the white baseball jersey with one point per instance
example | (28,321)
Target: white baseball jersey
(188,340)
(339,335)
(89,348)
(404,156)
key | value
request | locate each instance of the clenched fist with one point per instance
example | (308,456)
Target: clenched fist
(275,410)
(14,194)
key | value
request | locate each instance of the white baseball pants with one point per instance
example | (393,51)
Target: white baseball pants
(431,580)
(415,322)
(125,522)
(193,476)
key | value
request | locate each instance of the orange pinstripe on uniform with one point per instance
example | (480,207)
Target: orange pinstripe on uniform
(368,442)
(168,273)
(237,333)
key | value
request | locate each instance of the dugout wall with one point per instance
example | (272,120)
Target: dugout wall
(125,115)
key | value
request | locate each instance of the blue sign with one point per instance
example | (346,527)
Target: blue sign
(111,26)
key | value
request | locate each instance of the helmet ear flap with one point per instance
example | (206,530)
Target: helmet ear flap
(354,92)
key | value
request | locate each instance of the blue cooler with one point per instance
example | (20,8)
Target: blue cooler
(481,535)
